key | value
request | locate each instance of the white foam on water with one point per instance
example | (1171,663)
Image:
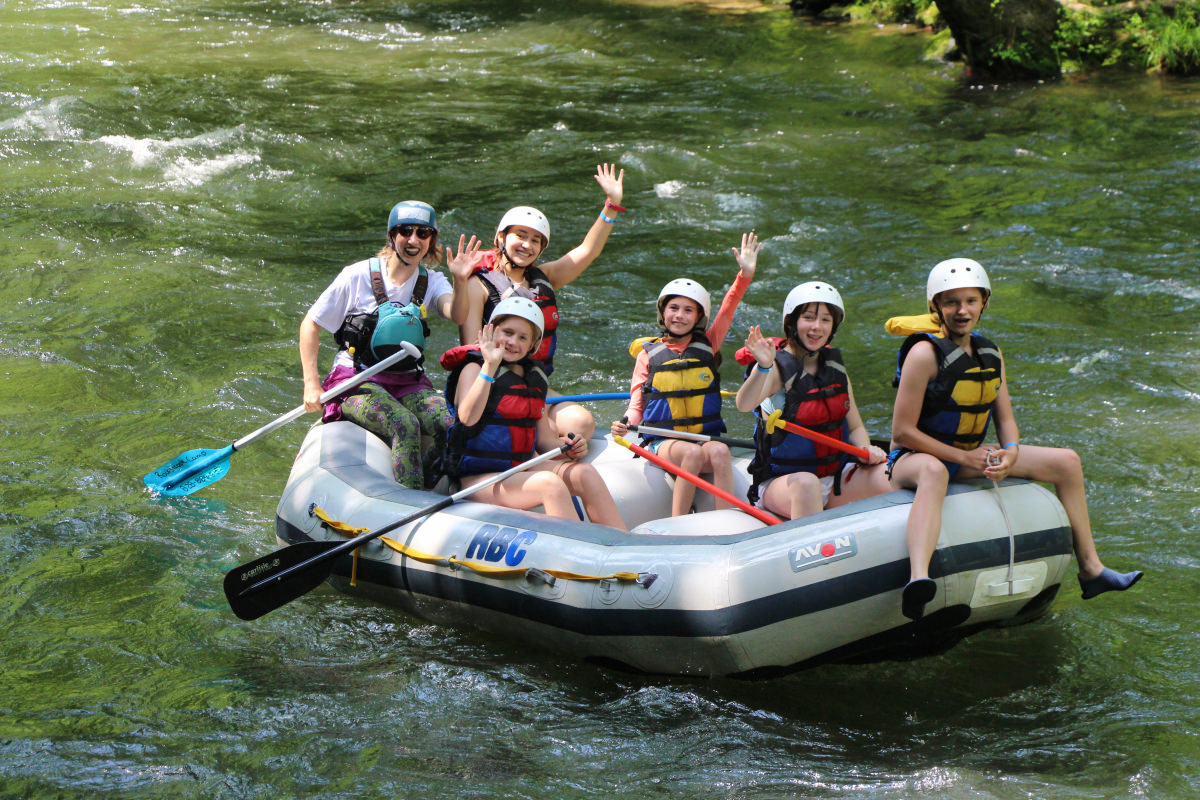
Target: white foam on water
(47,118)
(180,163)
(669,188)
(196,172)
(1087,361)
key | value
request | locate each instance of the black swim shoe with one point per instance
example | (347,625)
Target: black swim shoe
(1108,581)
(917,593)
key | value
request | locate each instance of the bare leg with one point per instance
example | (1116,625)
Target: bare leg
(689,457)
(860,483)
(930,478)
(1062,468)
(583,480)
(571,418)
(538,485)
(719,462)
(793,496)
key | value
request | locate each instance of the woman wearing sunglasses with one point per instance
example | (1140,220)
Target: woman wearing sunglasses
(373,306)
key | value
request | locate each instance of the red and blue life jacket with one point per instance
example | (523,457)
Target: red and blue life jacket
(819,402)
(506,433)
(499,286)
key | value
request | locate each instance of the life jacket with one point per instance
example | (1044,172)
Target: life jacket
(376,335)
(682,390)
(540,291)
(958,402)
(819,402)
(506,433)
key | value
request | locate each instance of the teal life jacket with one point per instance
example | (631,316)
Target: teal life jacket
(374,336)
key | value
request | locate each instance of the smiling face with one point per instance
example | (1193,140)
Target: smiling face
(680,315)
(411,248)
(517,336)
(960,309)
(814,325)
(523,245)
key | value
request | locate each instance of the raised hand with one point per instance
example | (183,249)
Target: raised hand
(611,181)
(747,257)
(491,350)
(762,348)
(462,264)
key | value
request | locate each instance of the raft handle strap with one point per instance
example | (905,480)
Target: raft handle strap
(535,575)
(454,563)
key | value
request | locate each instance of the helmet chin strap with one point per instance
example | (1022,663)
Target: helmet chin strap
(942,319)
(399,255)
(507,261)
(505,258)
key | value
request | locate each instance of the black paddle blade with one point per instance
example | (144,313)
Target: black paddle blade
(273,588)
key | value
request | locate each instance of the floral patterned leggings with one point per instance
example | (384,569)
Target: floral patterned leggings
(401,423)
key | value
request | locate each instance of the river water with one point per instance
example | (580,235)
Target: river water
(179,180)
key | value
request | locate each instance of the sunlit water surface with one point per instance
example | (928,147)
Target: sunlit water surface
(179,180)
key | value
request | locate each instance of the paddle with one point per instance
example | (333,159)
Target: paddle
(694,437)
(773,421)
(264,584)
(194,469)
(575,398)
(658,461)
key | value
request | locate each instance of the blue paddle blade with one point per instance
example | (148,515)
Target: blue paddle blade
(190,471)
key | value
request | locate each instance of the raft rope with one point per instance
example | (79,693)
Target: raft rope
(547,576)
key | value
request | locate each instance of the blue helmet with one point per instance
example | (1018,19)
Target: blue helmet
(411,212)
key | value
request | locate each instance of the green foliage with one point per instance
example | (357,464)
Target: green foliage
(893,10)
(1020,58)
(1169,39)
(1165,39)
(1089,40)
(1089,36)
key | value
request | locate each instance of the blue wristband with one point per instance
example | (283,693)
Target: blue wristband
(1012,444)
(609,220)
(487,377)
(761,368)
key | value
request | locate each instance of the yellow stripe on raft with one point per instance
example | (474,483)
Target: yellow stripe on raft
(476,566)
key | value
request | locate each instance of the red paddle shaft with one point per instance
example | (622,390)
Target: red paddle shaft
(658,461)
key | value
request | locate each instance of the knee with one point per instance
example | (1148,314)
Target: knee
(691,458)
(550,486)
(803,483)
(1068,461)
(586,477)
(575,419)
(932,473)
(718,455)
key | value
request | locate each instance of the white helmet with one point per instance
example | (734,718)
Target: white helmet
(814,292)
(957,273)
(529,217)
(523,307)
(682,287)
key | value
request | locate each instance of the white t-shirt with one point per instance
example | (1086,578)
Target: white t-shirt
(351,293)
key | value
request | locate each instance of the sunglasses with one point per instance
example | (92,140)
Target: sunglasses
(423,231)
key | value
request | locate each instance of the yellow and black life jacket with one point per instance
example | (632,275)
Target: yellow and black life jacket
(682,390)
(958,402)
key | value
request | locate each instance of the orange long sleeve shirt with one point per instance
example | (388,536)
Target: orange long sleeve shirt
(715,333)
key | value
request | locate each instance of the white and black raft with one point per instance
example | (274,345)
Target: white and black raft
(716,592)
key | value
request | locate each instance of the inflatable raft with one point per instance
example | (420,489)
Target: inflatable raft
(712,593)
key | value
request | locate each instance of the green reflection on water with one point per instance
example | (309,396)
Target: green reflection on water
(181,180)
